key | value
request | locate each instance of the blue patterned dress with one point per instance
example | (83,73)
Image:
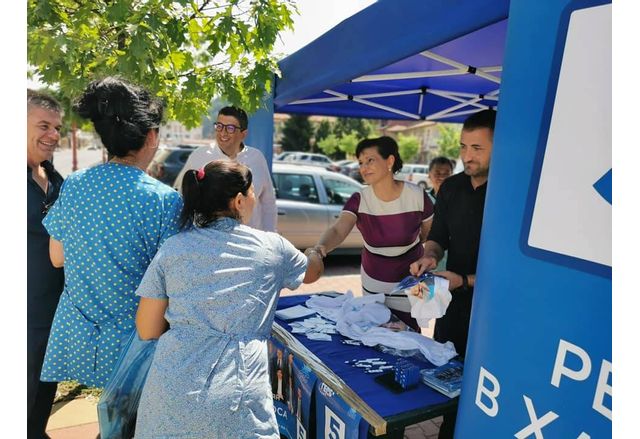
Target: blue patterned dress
(209,377)
(111,220)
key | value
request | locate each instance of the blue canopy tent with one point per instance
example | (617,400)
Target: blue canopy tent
(539,353)
(410,60)
(444,82)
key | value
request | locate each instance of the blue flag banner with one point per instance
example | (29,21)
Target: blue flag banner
(538,362)
(335,419)
(292,384)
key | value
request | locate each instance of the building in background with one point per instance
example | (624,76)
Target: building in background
(174,133)
(426,131)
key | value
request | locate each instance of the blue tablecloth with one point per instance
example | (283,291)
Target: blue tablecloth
(334,354)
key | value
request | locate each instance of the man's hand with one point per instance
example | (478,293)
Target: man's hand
(423,264)
(455,279)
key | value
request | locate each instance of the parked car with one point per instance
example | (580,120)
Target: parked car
(309,158)
(169,161)
(353,170)
(309,199)
(284,154)
(415,173)
(340,166)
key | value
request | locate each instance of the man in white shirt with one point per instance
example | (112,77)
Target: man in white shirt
(231,130)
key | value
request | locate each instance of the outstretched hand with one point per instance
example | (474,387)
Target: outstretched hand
(318,248)
(315,267)
(423,264)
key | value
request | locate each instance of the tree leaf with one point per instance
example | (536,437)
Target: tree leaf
(183,54)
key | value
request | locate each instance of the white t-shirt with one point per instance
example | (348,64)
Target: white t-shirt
(264,211)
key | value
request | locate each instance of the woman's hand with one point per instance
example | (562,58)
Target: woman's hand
(315,266)
(423,264)
(320,249)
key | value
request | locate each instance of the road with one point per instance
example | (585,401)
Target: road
(62,159)
(341,265)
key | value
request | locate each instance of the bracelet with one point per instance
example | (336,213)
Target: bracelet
(465,282)
(313,250)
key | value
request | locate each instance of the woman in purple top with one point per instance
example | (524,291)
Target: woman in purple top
(394,218)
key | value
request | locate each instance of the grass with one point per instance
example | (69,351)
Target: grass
(68,390)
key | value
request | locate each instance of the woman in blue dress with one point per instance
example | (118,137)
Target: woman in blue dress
(106,227)
(215,285)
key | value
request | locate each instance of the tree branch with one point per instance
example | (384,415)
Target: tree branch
(200,9)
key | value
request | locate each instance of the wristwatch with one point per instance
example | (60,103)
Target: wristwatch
(465,282)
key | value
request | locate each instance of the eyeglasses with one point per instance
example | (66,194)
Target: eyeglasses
(230,129)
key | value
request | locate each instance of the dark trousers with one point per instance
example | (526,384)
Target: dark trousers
(453,327)
(39,394)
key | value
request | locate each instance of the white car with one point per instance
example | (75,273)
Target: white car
(308,158)
(415,173)
(309,200)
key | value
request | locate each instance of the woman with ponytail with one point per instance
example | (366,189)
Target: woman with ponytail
(210,296)
(106,227)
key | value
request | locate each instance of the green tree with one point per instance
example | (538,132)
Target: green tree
(449,140)
(329,145)
(346,125)
(186,51)
(323,130)
(349,142)
(296,133)
(408,147)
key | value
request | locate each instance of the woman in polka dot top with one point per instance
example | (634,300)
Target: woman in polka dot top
(106,227)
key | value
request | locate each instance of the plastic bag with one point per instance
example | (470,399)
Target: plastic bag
(422,286)
(428,295)
(118,405)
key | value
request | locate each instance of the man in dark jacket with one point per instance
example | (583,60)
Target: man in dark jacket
(456,227)
(44,282)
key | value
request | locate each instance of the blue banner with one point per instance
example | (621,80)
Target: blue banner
(538,362)
(292,384)
(335,418)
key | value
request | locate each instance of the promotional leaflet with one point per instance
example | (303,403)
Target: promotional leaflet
(292,384)
(335,419)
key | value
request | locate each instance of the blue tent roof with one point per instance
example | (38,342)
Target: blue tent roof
(412,59)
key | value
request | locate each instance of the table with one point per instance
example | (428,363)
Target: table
(384,413)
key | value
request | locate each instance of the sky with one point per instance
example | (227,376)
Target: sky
(317,17)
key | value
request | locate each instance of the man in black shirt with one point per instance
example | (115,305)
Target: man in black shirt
(456,227)
(44,282)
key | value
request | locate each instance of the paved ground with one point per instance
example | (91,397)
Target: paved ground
(63,159)
(77,419)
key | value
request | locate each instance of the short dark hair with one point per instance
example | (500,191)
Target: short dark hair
(481,119)
(386,146)
(122,113)
(238,113)
(42,100)
(207,199)
(440,160)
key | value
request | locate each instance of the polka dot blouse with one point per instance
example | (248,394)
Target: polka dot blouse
(111,220)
